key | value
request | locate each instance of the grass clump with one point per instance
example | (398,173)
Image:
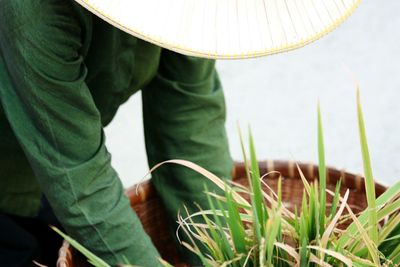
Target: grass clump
(253,227)
(261,231)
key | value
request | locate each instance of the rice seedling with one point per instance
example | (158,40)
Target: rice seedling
(309,236)
(254,227)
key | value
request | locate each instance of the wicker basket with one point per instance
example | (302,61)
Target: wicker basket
(150,211)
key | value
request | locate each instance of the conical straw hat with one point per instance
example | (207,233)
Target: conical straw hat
(225,28)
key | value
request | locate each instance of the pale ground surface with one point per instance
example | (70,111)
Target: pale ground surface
(278,96)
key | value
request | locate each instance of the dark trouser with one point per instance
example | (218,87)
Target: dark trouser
(24,240)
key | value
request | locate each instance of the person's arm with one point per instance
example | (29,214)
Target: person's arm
(184,117)
(57,124)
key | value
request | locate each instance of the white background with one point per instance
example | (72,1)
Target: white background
(278,95)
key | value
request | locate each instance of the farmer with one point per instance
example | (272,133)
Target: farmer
(64,72)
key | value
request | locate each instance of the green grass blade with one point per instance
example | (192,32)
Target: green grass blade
(389,228)
(369,180)
(272,236)
(304,260)
(258,204)
(215,251)
(304,219)
(235,225)
(389,208)
(92,258)
(385,198)
(317,216)
(322,172)
(395,256)
(388,246)
(363,234)
(335,200)
(225,246)
(311,215)
(253,158)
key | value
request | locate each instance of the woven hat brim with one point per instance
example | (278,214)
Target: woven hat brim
(179,26)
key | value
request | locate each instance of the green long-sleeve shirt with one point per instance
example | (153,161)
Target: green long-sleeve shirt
(63,75)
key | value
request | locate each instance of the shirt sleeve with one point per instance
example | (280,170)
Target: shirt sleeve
(184,118)
(56,122)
